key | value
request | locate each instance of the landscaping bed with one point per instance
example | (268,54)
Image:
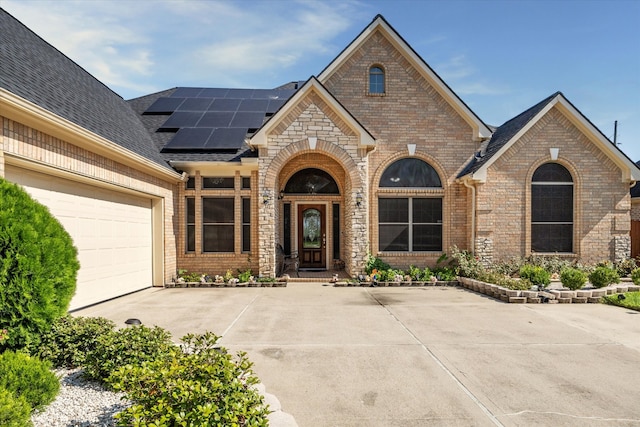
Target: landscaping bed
(551,296)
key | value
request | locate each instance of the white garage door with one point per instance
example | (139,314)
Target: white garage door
(112,232)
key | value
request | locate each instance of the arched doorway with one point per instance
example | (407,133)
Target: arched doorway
(311,217)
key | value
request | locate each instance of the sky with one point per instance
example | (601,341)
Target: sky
(500,57)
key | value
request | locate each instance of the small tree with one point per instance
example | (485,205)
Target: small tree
(38,268)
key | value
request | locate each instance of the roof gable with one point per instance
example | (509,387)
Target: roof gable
(259,139)
(512,130)
(379,24)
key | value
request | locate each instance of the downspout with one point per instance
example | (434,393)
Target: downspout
(472,244)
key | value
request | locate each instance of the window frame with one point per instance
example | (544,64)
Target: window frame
(411,224)
(380,86)
(218,224)
(556,223)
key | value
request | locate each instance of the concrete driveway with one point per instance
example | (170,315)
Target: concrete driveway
(432,356)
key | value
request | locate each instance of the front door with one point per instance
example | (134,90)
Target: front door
(312,236)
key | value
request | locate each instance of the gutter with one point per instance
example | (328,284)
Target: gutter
(472,243)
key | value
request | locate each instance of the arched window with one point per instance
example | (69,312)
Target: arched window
(414,223)
(311,181)
(376,80)
(551,209)
(410,172)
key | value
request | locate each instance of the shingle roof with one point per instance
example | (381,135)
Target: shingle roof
(36,71)
(503,135)
(163,136)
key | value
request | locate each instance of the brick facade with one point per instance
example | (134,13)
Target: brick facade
(28,145)
(601,199)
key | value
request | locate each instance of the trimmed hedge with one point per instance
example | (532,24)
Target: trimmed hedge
(38,268)
(198,385)
(72,339)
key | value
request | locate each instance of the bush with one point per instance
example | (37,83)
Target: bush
(133,345)
(14,410)
(38,267)
(573,278)
(28,377)
(71,339)
(635,276)
(535,274)
(198,382)
(603,276)
(375,263)
(468,265)
(625,267)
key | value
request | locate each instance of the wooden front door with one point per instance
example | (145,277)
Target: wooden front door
(312,236)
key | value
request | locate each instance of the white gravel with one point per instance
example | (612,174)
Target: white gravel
(80,403)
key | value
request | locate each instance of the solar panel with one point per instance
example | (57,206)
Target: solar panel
(186,92)
(213,93)
(247,120)
(182,119)
(216,119)
(226,138)
(254,105)
(240,93)
(164,106)
(189,139)
(275,104)
(195,104)
(222,104)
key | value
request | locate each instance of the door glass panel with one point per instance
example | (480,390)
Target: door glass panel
(311,229)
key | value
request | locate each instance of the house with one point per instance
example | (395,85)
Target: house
(376,154)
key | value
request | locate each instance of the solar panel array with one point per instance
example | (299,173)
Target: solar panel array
(215,119)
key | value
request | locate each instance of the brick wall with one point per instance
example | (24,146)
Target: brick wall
(601,200)
(410,112)
(22,142)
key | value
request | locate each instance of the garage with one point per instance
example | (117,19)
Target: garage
(112,231)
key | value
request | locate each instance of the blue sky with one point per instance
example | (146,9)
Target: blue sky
(500,57)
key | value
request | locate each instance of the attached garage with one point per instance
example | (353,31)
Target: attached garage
(112,230)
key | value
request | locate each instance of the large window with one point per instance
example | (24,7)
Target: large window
(376,80)
(410,224)
(217,224)
(414,223)
(551,209)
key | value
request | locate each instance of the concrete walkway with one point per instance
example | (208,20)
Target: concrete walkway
(415,356)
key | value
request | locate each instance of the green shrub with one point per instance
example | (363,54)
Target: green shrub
(38,267)
(625,267)
(14,410)
(198,382)
(375,263)
(71,339)
(573,278)
(603,276)
(535,274)
(132,345)
(505,281)
(468,264)
(446,274)
(635,276)
(28,377)
(244,276)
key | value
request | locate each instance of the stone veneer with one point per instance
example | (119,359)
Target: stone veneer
(289,150)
